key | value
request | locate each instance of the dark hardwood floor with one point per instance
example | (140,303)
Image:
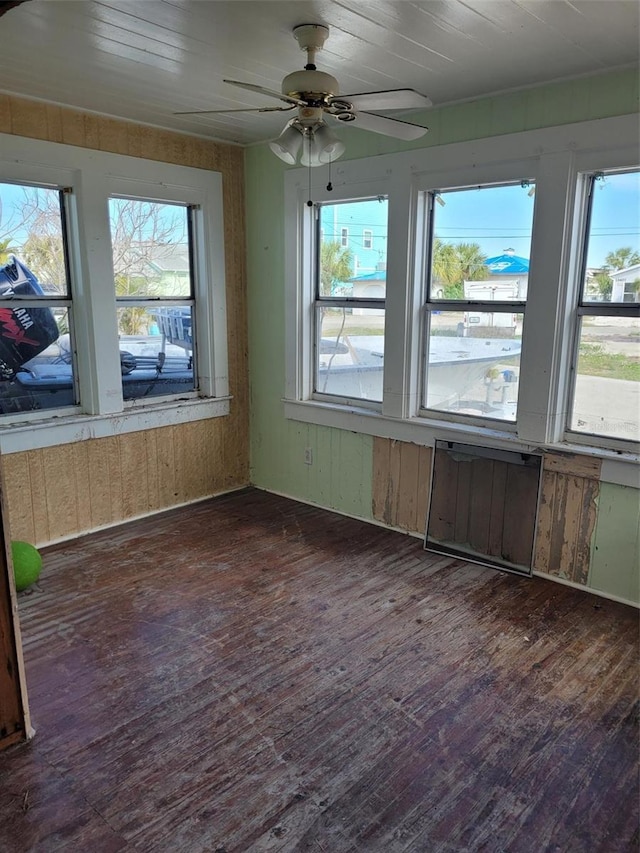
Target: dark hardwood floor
(253,674)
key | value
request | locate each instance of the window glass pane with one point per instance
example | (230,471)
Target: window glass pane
(482,243)
(349,264)
(31,231)
(150,242)
(46,380)
(156,350)
(613,242)
(350,352)
(607,391)
(474,369)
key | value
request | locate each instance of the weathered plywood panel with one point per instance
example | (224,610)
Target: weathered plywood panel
(133,474)
(166,467)
(400,484)
(566,521)
(15,473)
(542,555)
(380,480)
(60,490)
(82,484)
(424,486)
(99,496)
(586,527)
(572,463)
(57,492)
(408,485)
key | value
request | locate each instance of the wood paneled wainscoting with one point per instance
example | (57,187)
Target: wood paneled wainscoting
(58,492)
(254,674)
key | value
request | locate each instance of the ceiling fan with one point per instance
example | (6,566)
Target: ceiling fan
(316,97)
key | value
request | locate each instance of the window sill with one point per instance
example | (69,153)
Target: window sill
(618,468)
(66,429)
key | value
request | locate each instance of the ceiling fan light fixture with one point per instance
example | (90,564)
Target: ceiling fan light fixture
(327,144)
(288,144)
(310,152)
(320,146)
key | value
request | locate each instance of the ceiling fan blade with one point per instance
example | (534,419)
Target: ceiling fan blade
(391,99)
(262,91)
(244,110)
(389,126)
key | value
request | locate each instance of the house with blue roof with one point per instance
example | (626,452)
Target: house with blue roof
(510,269)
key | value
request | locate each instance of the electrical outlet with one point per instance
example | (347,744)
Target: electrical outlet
(308,456)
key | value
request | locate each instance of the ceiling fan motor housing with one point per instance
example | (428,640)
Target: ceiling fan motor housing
(310,85)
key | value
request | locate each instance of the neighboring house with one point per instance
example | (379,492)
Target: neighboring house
(372,285)
(511,268)
(167,266)
(361,228)
(625,284)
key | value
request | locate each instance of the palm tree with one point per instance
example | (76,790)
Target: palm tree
(453,264)
(622,258)
(336,265)
(472,262)
(443,264)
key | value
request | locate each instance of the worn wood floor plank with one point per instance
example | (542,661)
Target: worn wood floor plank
(252,674)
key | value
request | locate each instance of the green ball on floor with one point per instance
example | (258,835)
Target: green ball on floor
(27,564)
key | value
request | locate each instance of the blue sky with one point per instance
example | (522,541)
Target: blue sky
(615,216)
(496,218)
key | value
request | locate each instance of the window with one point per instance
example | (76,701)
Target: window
(36,319)
(112,293)
(606,382)
(349,309)
(367,239)
(483,290)
(344,237)
(477,292)
(151,247)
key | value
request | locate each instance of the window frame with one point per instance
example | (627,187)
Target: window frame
(586,172)
(552,157)
(92,177)
(367,237)
(190,301)
(434,303)
(374,303)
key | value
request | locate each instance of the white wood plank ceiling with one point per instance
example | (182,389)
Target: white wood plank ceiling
(146,59)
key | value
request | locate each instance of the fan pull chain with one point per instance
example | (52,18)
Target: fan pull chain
(329,185)
(309,202)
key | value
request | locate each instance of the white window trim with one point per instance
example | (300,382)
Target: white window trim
(93,177)
(553,158)
(369,238)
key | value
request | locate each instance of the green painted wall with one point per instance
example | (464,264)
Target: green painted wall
(340,477)
(615,567)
